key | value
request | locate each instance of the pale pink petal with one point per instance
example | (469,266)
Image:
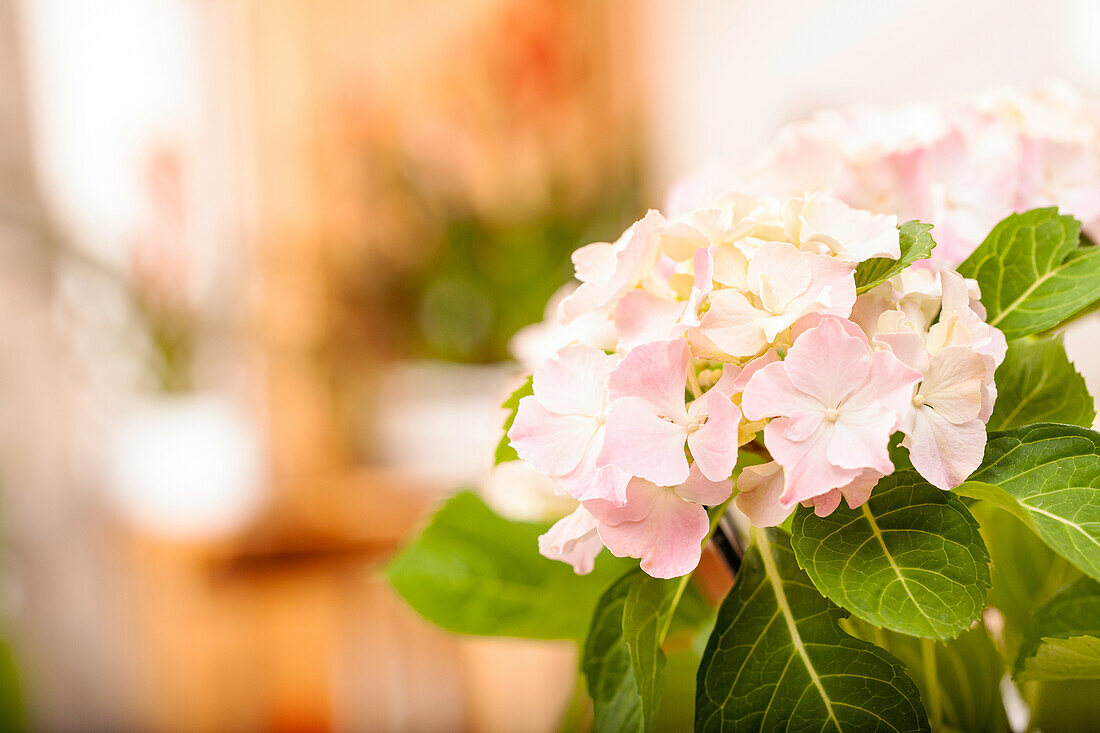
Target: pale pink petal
(806,465)
(667,541)
(656,373)
(714,444)
(554,444)
(594,262)
(761,488)
(640,499)
(642,444)
(574,382)
(574,540)
(585,299)
(944,453)
(733,324)
(742,377)
(642,317)
(827,362)
(770,393)
(888,388)
(812,320)
(906,346)
(589,480)
(859,491)
(636,254)
(952,385)
(825,504)
(703,264)
(699,489)
(861,440)
(780,273)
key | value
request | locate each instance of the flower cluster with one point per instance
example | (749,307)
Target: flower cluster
(962,167)
(737,328)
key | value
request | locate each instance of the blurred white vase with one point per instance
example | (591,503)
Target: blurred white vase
(438,422)
(185,466)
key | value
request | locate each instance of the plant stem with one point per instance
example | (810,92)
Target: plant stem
(675,602)
(932,682)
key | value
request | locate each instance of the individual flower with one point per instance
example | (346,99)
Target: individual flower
(783,284)
(560,428)
(663,527)
(943,431)
(834,403)
(648,422)
(607,271)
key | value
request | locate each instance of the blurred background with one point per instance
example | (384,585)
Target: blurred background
(260,261)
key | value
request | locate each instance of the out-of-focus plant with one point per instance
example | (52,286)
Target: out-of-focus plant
(485,172)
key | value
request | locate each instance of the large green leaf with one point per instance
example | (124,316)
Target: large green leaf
(910,559)
(777,659)
(916,244)
(474,572)
(1049,477)
(959,679)
(605,661)
(505,452)
(1074,612)
(1033,272)
(1037,383)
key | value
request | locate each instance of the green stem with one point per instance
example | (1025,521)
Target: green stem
(672,610)
(932,682)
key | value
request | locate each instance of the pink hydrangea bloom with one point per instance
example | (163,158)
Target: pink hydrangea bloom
(835,404)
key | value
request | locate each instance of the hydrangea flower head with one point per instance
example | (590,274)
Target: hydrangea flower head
(735,328)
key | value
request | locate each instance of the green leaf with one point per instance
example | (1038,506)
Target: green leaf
(1075,658)
(623,662)
(505,451)
(1037,383)
(910,559)
(1025,572)
(646,616)
(777,659)
(605,661)
(964,683)
(916,244)
(1072,612)
(473,572)
(1033,272)
(1048,476)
